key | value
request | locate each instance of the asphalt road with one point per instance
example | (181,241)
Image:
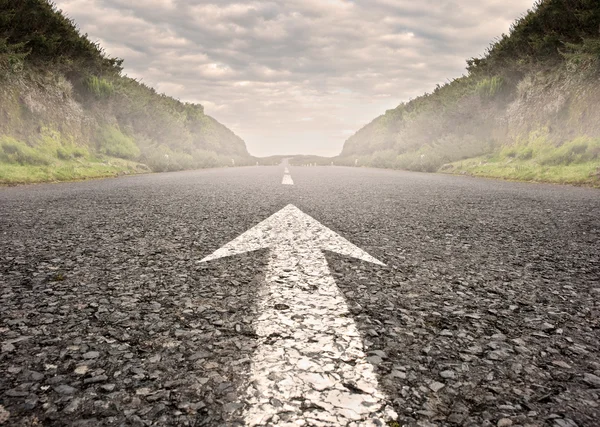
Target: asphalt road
(487,312)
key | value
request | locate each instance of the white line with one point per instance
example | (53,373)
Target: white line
(287,180)
(310,368)
(286,170)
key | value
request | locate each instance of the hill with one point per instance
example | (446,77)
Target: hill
(67,111)
(525,110)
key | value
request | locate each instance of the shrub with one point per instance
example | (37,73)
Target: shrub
(99,87)
(580,150)
(15,151)
(52,38)
(158,159)
(578,54)
(12,56)
(383,159)
(114,143)
(206,159)
(71,152)
(489,88)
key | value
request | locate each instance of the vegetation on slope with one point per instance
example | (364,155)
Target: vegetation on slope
(67,111)
(540,79)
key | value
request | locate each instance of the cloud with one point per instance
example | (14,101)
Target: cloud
(265,67)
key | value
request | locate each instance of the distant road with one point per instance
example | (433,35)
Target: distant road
(486,311)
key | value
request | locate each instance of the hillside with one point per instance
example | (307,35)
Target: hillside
(527,109)
(67,111)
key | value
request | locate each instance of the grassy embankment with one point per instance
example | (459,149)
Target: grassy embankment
(526,110)
(574,162)
(67,111)
(52,160)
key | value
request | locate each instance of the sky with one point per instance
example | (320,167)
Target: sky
(294,76)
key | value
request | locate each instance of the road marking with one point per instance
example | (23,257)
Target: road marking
(287,180)
(286,170)
(310,367)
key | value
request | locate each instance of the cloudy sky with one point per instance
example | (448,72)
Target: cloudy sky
(294,76)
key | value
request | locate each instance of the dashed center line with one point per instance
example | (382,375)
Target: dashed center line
(287,179)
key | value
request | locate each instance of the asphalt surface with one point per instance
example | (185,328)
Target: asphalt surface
(487,312)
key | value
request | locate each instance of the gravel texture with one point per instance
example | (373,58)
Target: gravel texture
(487,313)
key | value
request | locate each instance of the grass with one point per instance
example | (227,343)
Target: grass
(99,87)
(71,170)
(15,151)
(113,142)
(55,157)
(587,173)
(490,87)
(536,158)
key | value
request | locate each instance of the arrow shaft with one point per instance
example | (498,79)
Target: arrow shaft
(310,367)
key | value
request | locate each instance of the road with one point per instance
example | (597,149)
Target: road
(486,312)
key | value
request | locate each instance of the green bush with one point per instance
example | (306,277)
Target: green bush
(52,38)
(488,88)
(99,87)
(578,54)
(525,154)
(12,56)
(163,159)
(15,151)
(383,159)
(539,35)
(580,150)
(207,159)
(158,159)
(113,142)
(71,152)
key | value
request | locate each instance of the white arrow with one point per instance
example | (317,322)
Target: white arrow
(310,367)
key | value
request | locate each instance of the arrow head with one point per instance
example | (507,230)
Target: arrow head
(291,227)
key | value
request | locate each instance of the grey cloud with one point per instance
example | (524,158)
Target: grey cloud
(300,75)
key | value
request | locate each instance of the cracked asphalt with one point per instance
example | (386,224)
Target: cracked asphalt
(487,312)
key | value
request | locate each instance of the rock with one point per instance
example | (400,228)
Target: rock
(14,369)
(30,402)
(547,327)
(561,364)
(16,392)
(73,406)
(36,376)
(91,355)
(65,389)
(448,374)
(81,370)
(374,360)
(498,355)
(108,387)
(475,349)
(232,406)
(459,414)
(565,422)
(504,422)
(398,374)
(379,353)
(144,391)
(8,347)
(591,379)
(4,415)
(94,380)
(199,355)
(436,386)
